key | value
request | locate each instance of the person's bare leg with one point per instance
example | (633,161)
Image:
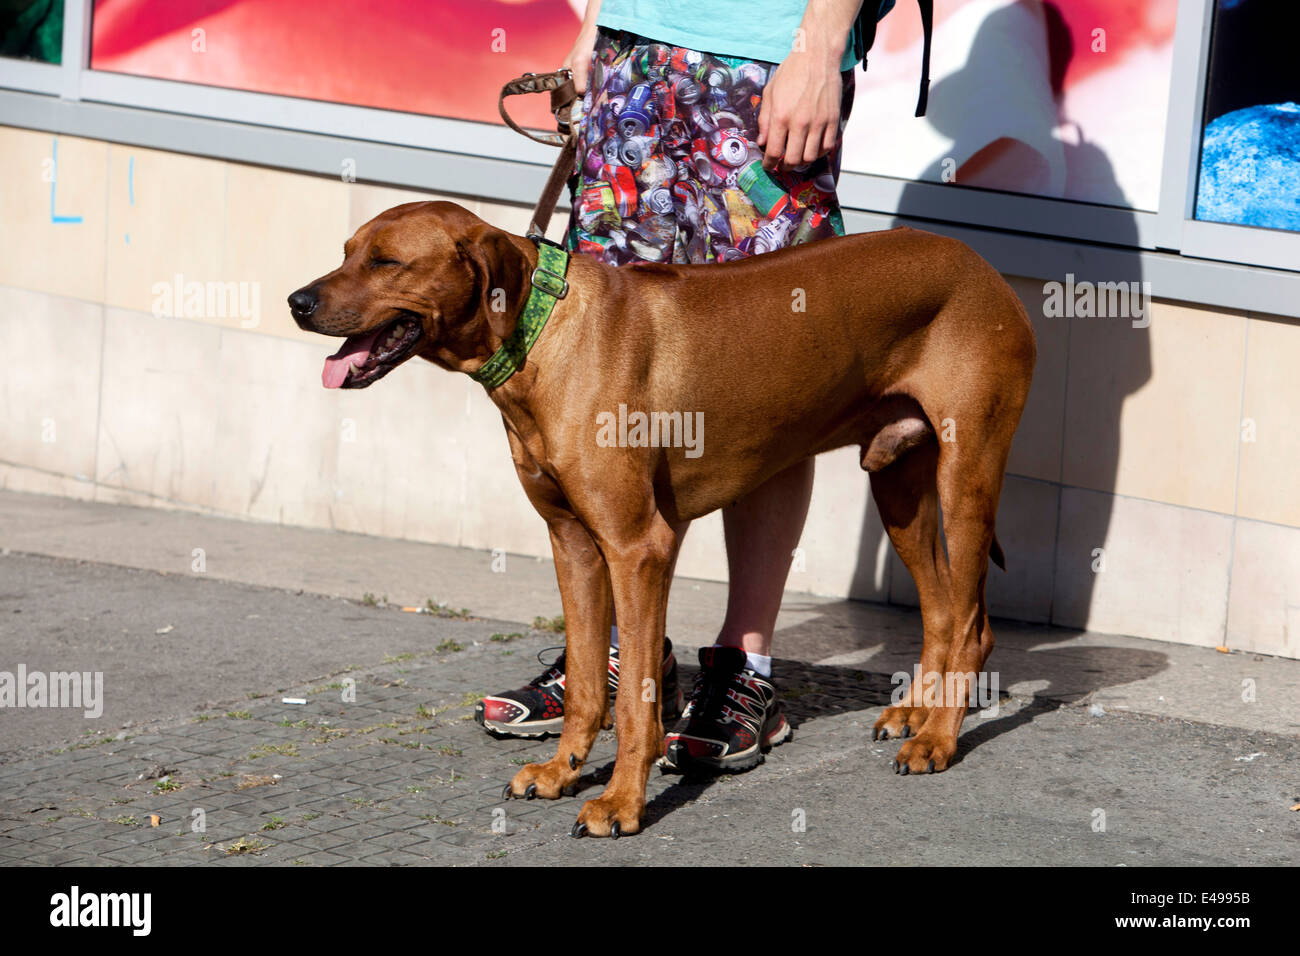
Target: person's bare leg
(762,530)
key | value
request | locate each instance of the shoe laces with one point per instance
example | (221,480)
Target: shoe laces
(708,697)
(554,670)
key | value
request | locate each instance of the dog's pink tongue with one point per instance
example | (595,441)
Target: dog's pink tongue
(354,352)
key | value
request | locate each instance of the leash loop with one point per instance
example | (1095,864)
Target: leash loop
(559,83)
(564,96)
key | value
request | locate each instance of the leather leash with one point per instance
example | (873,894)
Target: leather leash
(563,96)
(547,281)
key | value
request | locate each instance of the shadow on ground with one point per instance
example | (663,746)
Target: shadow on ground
(1054,677)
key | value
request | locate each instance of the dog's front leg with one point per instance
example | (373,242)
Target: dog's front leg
(639,571)
(588,607)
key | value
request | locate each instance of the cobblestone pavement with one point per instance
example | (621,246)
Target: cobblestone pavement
(402,775)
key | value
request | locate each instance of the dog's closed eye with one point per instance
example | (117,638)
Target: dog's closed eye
(378,261)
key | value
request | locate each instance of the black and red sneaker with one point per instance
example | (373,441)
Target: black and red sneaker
(733,717)
(537,710)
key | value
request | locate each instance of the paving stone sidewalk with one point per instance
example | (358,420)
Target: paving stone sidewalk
(382,766)
(1105,750)
(404,776)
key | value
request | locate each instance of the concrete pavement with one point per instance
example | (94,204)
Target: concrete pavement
(1105,750)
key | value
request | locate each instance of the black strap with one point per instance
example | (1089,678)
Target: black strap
(869,16)
(927,27)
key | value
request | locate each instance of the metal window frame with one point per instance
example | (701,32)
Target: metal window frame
(1178,226)
(1258,269)
(44,78)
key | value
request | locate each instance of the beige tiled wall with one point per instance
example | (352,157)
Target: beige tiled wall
(1264,604)
(282,230)
(1036,451)
(1169,451)
(1155,413)
(36,252)
(49,420)
(162,209)
(1268,484)
(1124,565)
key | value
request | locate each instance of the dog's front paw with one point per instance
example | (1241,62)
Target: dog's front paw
(927,752)
(546,780)
(898,722)
(609,815)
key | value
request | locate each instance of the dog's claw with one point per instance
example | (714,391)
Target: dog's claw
(531,792)
(507,793)
(573,761)
(907,731)
(875,733)
(904,769)
(930,769)
(615,831)
(579,830)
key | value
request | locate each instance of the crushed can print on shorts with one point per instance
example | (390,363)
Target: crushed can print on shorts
(667,167)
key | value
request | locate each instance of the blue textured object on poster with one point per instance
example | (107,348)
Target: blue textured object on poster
(1250,168)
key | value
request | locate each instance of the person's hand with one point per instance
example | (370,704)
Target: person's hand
(799,119)
(579,58)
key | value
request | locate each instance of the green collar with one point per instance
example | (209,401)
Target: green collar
(548,286)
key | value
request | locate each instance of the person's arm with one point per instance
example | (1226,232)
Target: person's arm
(583,48)
(799,118)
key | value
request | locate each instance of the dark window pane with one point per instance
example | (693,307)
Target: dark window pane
(32,29)
(1250,147)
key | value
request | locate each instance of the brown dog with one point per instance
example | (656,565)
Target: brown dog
(902,342)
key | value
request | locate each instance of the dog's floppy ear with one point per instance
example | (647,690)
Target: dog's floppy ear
(501,272)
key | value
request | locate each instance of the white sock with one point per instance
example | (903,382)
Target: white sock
(760,664)
(613,636)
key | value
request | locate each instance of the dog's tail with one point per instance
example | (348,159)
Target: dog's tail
(995,552)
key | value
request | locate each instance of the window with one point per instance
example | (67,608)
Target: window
(1250,140)
(1065,100)
(413,56)
(1166,130)
(32,29)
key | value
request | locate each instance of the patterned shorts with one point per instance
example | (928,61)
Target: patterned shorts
(667,167)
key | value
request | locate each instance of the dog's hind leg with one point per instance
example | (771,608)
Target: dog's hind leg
(970,478)
(907,497)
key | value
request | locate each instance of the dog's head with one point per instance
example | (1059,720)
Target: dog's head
(425,278)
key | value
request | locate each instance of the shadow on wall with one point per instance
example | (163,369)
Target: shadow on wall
(1050,572)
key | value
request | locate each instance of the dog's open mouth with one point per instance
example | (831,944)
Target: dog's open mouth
(368,357)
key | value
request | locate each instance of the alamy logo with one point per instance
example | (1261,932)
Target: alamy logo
(1100,300)
(179,299)
(78,689)
(651,430)
(103,909)
(947,689)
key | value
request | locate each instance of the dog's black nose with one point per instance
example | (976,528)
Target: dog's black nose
(302,304)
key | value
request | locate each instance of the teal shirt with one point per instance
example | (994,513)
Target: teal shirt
(753,29)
